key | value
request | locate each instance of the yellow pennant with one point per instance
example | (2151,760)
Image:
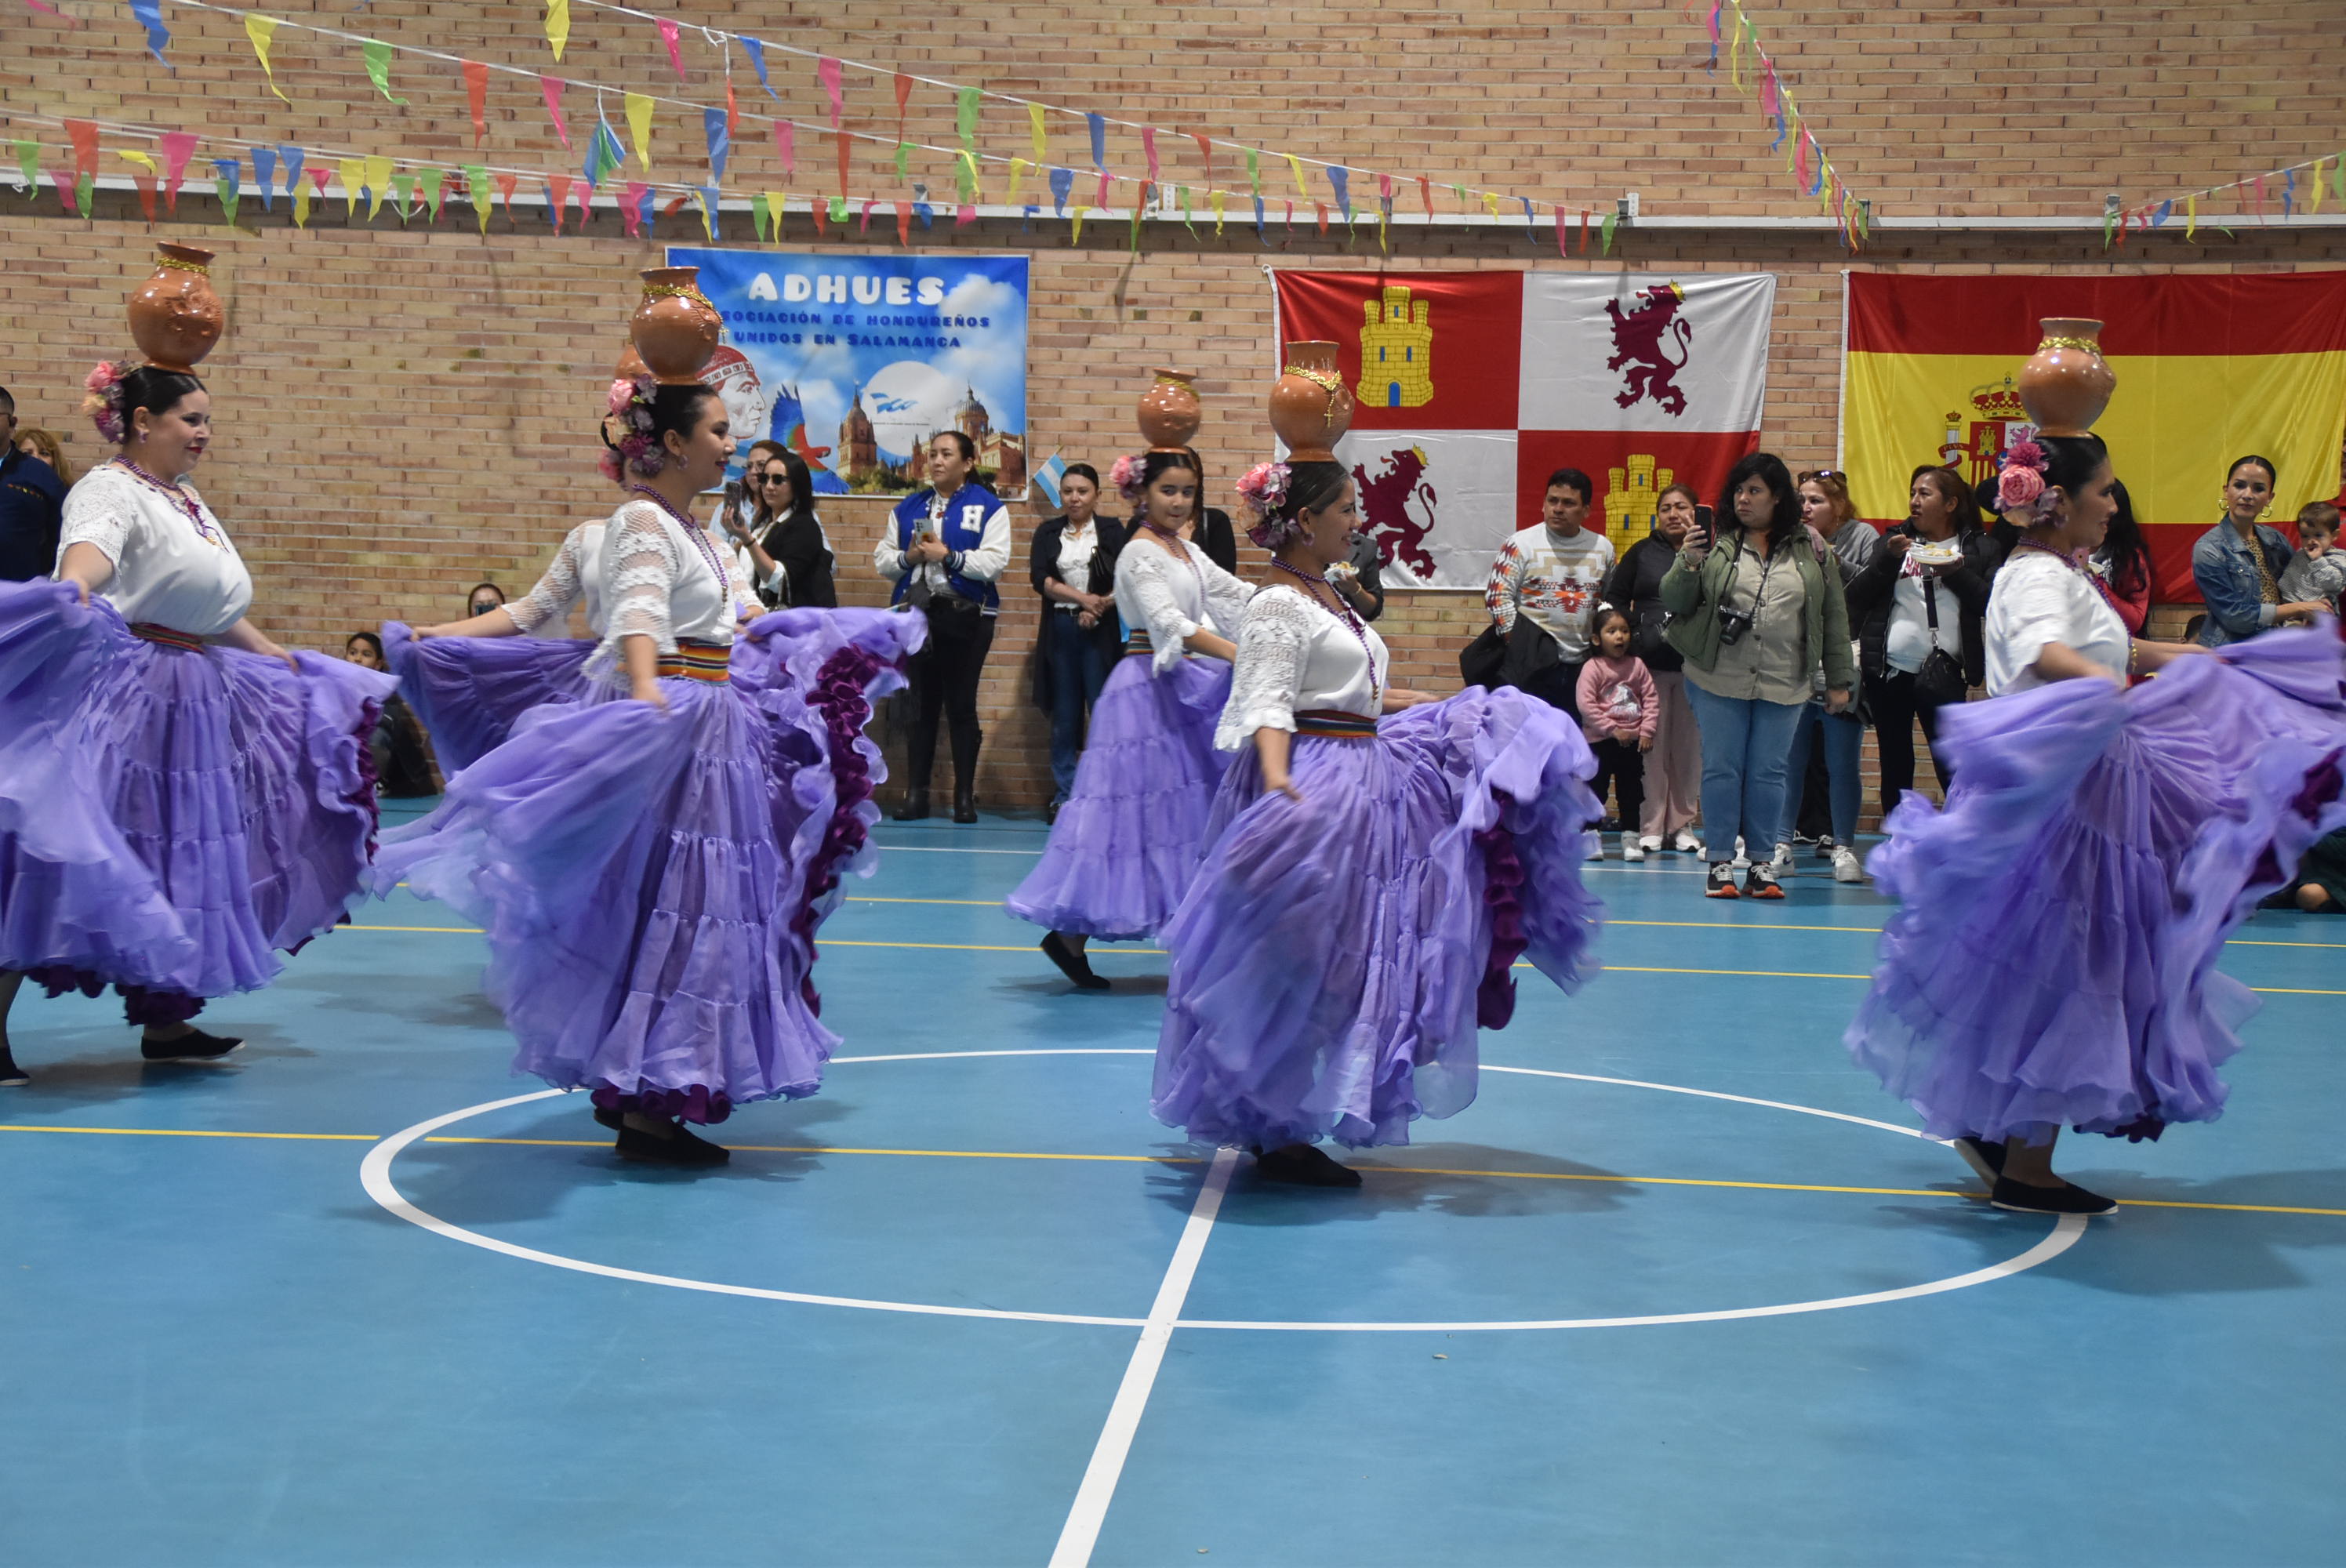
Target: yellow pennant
(1018,167)
(1491,204)
(708,223)
(301,204)
(353,174)
(639,124)
(140,159)
(262,31)
(1295,166)
(777,200)
(1034,128)
(2317,183)
(378,182)
(1076,237)
(558,25)
(2191,218)
(1217,199)
(976,192)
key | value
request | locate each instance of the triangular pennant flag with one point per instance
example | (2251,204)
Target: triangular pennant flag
(476,187)
(965,112)
(84,136)
(583,194)
(1319,211)
(903,98)
(1254,173)
(403,190)
(707,198)
(177,147)
(351,172)
(1188,221)
(965,174)
(1038,134)
(300,206)
(668,32)
(150,16)
(1607,227)
(1584,231)
(604,153)
(903,222)
(1136,206)
(786,148)
(720,142)
(1063,182)
(761,215)
(1098,125)
(1563,234)
(378,67)
(634,202)
(826,71)
(436,191)
(506,184)
(1216,199)
(1148,150)
(2288,195)
(1295,167)
(1342,180)
(640,126)
(1425,194)
(264,171)
(1075,234)
(1102,199)
(558,197)
(732,110)
(550,89)
(476,98)
(903,160)
(1529,230)
(262,30)
(292,160)
(839,210)
(2338,179)
(142,160)
(1205,155)
(756,50)
(1018,167)
(144,182)
(378,180)
(821,215)
(1261,230)
(68,190)
(2316,205)
(227,178)
(863,225)
(557,32)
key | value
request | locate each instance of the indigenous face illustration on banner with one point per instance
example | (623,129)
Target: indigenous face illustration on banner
(2210,369)
(1474,387)
(855,361)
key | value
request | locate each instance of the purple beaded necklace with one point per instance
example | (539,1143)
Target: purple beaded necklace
(694,532)
(1351,623)
(180,501)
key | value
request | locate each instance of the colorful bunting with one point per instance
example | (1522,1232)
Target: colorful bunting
(557,196)
(965,115)
(150,16)
(1018,167)
(28,163)
(1425,194)
(1295,166)
(756,50)
(351,172)
(707,198)
(1340,178)
(720,142)
(604,153)
(557,32)
(1098,125)
(403,190)
(786,148)
(1205,155)
(635,201)
(178,146)
(435,192)
(640,126)
(826,71)
(668,32)
(378,67)
(262,30)
(476,98)
(550,89)
(264,171)
(300,205)
(1063,182)
(506,184)
(378,182)
(1037,134)
(476,187)
(1148,150)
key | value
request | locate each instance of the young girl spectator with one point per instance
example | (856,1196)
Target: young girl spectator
(1619,710)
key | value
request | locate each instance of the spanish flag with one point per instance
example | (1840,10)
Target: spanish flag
(2209,368)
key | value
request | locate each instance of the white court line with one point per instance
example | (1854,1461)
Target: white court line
(1081,1532)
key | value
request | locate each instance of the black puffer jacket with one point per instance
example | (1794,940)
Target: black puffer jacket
(1873,592)
(1634,588)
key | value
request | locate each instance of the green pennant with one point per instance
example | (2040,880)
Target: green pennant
(435,192)
(965,117)
(1254,172)
(1136,221)
(378,67)
(29,159)
(476,185)
(221,188)
(762,216)
(1186,221)
(903,160)
(839,209)
(402,191)
(1605,230)
(86,187)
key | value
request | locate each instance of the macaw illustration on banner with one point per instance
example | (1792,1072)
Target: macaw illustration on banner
(1474,387)
(855,361)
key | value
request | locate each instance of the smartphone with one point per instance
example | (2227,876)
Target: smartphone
(732,494)
(1702,529)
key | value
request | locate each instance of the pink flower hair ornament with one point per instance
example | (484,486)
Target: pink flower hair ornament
(630,405)
(1126,475)
(2021,485)
(103,399)
(1263,490)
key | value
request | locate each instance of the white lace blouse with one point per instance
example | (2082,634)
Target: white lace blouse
(662,581)
(1297,656)
(167,571)
(575,575)
(1173,600)
(2038,599)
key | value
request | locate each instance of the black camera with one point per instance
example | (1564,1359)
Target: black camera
(1732,624)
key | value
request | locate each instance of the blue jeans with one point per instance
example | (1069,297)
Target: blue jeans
(1077,672)
(1843,738)
(1745,745)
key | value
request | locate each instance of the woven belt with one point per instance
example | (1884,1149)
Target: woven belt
(166,636)
(1330,724)
(1136,645)
(698,661)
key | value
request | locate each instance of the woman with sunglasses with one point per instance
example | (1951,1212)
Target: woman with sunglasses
(782,534)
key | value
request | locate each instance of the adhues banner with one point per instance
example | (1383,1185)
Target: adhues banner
(1474,386)
(855,361)
(2209,368)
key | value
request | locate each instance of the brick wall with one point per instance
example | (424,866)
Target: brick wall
(406,410)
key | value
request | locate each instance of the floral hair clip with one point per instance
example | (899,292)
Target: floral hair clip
(1263,487)
(105,398)
(2021,485)
(1126,475)
(629,413)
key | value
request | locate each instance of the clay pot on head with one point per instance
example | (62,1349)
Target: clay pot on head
(1170,410)
(1310,406)
(175,316)
(2066,383)
(631,364)
(676,327)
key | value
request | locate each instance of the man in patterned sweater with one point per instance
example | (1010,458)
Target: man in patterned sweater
(1554,572)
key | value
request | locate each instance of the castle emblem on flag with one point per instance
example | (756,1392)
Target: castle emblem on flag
(1648,370)
(1396,351)
(2000,422)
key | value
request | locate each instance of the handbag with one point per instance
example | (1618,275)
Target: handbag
(1941,679)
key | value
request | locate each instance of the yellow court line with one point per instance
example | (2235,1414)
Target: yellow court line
(1173,1160)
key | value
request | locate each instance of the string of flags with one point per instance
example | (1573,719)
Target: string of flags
(2298,185)
(1327,185)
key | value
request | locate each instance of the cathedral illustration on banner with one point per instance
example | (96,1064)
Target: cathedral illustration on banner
(1396,351)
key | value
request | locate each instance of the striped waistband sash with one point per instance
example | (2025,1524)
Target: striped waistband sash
(1138,643)
(166,637)
(698,661)
(1330,724)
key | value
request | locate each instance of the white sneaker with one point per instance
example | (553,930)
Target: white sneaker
(1632,850)
(1650,844)
(1781,862)
(1742,862)
(1595,846)
(1828,847)
(1686,844)
(1846,866)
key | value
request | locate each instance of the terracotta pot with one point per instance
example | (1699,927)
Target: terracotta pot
(1310,406)
(631,364)
(175,316)
(676,327)
(1169,411)
(2067,384)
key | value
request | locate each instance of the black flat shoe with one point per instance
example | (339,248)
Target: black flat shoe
(916,806)
(675,1148)
(1051,814)
(1986,1160)
(1073,964)
(11,1075)
(193,1046)
(965,808)
(2066,1198)
(615,1120)
(1302,1165)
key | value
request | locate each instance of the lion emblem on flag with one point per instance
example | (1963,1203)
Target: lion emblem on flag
(1385,506)
(1639,351)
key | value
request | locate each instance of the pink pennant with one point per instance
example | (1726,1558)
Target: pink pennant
(1770,93)
(1103,189)
(826,71)
(318,177)
(38,6)
(558,187)
(675,56)
(965,214)
(1148,148)
(1384,186)
(177,147)
(786,145)
(583,194)
(631,207)
(551,88)
(1800,159)
(65,181)
(869,203)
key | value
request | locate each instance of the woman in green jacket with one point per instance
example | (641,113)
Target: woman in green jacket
(1756,614)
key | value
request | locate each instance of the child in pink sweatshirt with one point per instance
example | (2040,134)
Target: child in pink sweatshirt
(1620,709)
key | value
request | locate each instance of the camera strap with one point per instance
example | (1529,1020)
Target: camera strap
(1766,566)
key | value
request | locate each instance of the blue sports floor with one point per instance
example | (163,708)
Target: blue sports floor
(1677,1289)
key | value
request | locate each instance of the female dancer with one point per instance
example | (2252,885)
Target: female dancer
(2053,961)
(1367,886)
(1127,843)
(650,872)
(179,795)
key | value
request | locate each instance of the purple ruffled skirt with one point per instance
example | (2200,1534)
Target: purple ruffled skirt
(1125,844)
(651,882)
(170,818)
(1334,959)
(470,691)
(2053,959)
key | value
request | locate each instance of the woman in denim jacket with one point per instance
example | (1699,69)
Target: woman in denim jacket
(2238,563)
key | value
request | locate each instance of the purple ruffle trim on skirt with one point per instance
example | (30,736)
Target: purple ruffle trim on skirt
(468,693)
(1503,880)
(842,695)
